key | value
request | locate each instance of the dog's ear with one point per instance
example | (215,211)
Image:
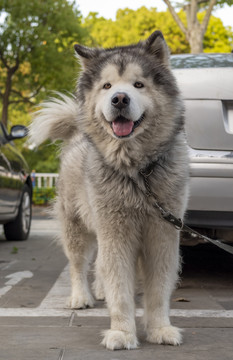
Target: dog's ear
(85,54)
(156,45)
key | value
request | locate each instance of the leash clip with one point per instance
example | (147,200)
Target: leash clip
(178,223)
(144,173)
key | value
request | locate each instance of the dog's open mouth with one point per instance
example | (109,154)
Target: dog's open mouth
(123,127)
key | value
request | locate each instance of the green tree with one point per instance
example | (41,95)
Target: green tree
(217,38)
(134,25)
(194,29)
(36,52)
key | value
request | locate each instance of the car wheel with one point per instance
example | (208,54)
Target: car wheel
(20,227)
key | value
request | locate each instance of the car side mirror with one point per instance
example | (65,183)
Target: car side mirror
(17,132)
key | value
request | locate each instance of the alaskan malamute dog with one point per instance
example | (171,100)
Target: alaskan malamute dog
(126,115)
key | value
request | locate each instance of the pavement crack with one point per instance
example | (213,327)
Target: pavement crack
(61,354)
(71,319)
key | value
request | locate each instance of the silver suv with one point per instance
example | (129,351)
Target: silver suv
(206,82)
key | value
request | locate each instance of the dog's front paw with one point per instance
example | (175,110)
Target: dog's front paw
(165,335)
(116,340)
(80,301)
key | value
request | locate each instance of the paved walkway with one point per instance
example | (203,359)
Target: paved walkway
(34,324)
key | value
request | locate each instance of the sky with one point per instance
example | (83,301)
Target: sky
(108,8)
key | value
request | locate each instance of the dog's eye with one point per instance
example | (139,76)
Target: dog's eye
(138,84)
(107,86)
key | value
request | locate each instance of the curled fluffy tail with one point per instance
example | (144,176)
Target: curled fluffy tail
(57,119)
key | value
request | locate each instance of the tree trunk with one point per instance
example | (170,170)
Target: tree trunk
(195,39)
(195,31)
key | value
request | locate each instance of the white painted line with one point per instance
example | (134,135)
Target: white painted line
(173,312)
(56,297)
(14,279)
(54,303)
(4,290)
(39,312)
(202,313)
(7,266)
(36,312)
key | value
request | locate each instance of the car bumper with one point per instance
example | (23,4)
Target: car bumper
(211,189)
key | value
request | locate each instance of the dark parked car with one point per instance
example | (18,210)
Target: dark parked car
(206,82)
(15,186)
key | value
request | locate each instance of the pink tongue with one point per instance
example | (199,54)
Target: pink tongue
(122,128)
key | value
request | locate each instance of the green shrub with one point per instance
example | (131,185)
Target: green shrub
(42,196)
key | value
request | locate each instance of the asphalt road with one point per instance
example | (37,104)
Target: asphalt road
(34,323)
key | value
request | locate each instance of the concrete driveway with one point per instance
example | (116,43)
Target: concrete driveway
(34,323)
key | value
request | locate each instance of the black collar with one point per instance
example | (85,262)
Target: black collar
(148,170)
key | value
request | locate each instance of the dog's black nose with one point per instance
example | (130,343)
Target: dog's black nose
(120,100)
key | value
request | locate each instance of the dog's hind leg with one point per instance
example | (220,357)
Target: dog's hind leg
(160,264)
(79,247)
(98,286)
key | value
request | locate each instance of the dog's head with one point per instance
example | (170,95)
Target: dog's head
(123,88)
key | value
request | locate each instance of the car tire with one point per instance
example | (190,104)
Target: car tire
(19,228)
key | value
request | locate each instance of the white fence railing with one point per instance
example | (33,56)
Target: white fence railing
(44,180)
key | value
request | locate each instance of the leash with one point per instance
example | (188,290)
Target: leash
(171,218)
(167,215)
